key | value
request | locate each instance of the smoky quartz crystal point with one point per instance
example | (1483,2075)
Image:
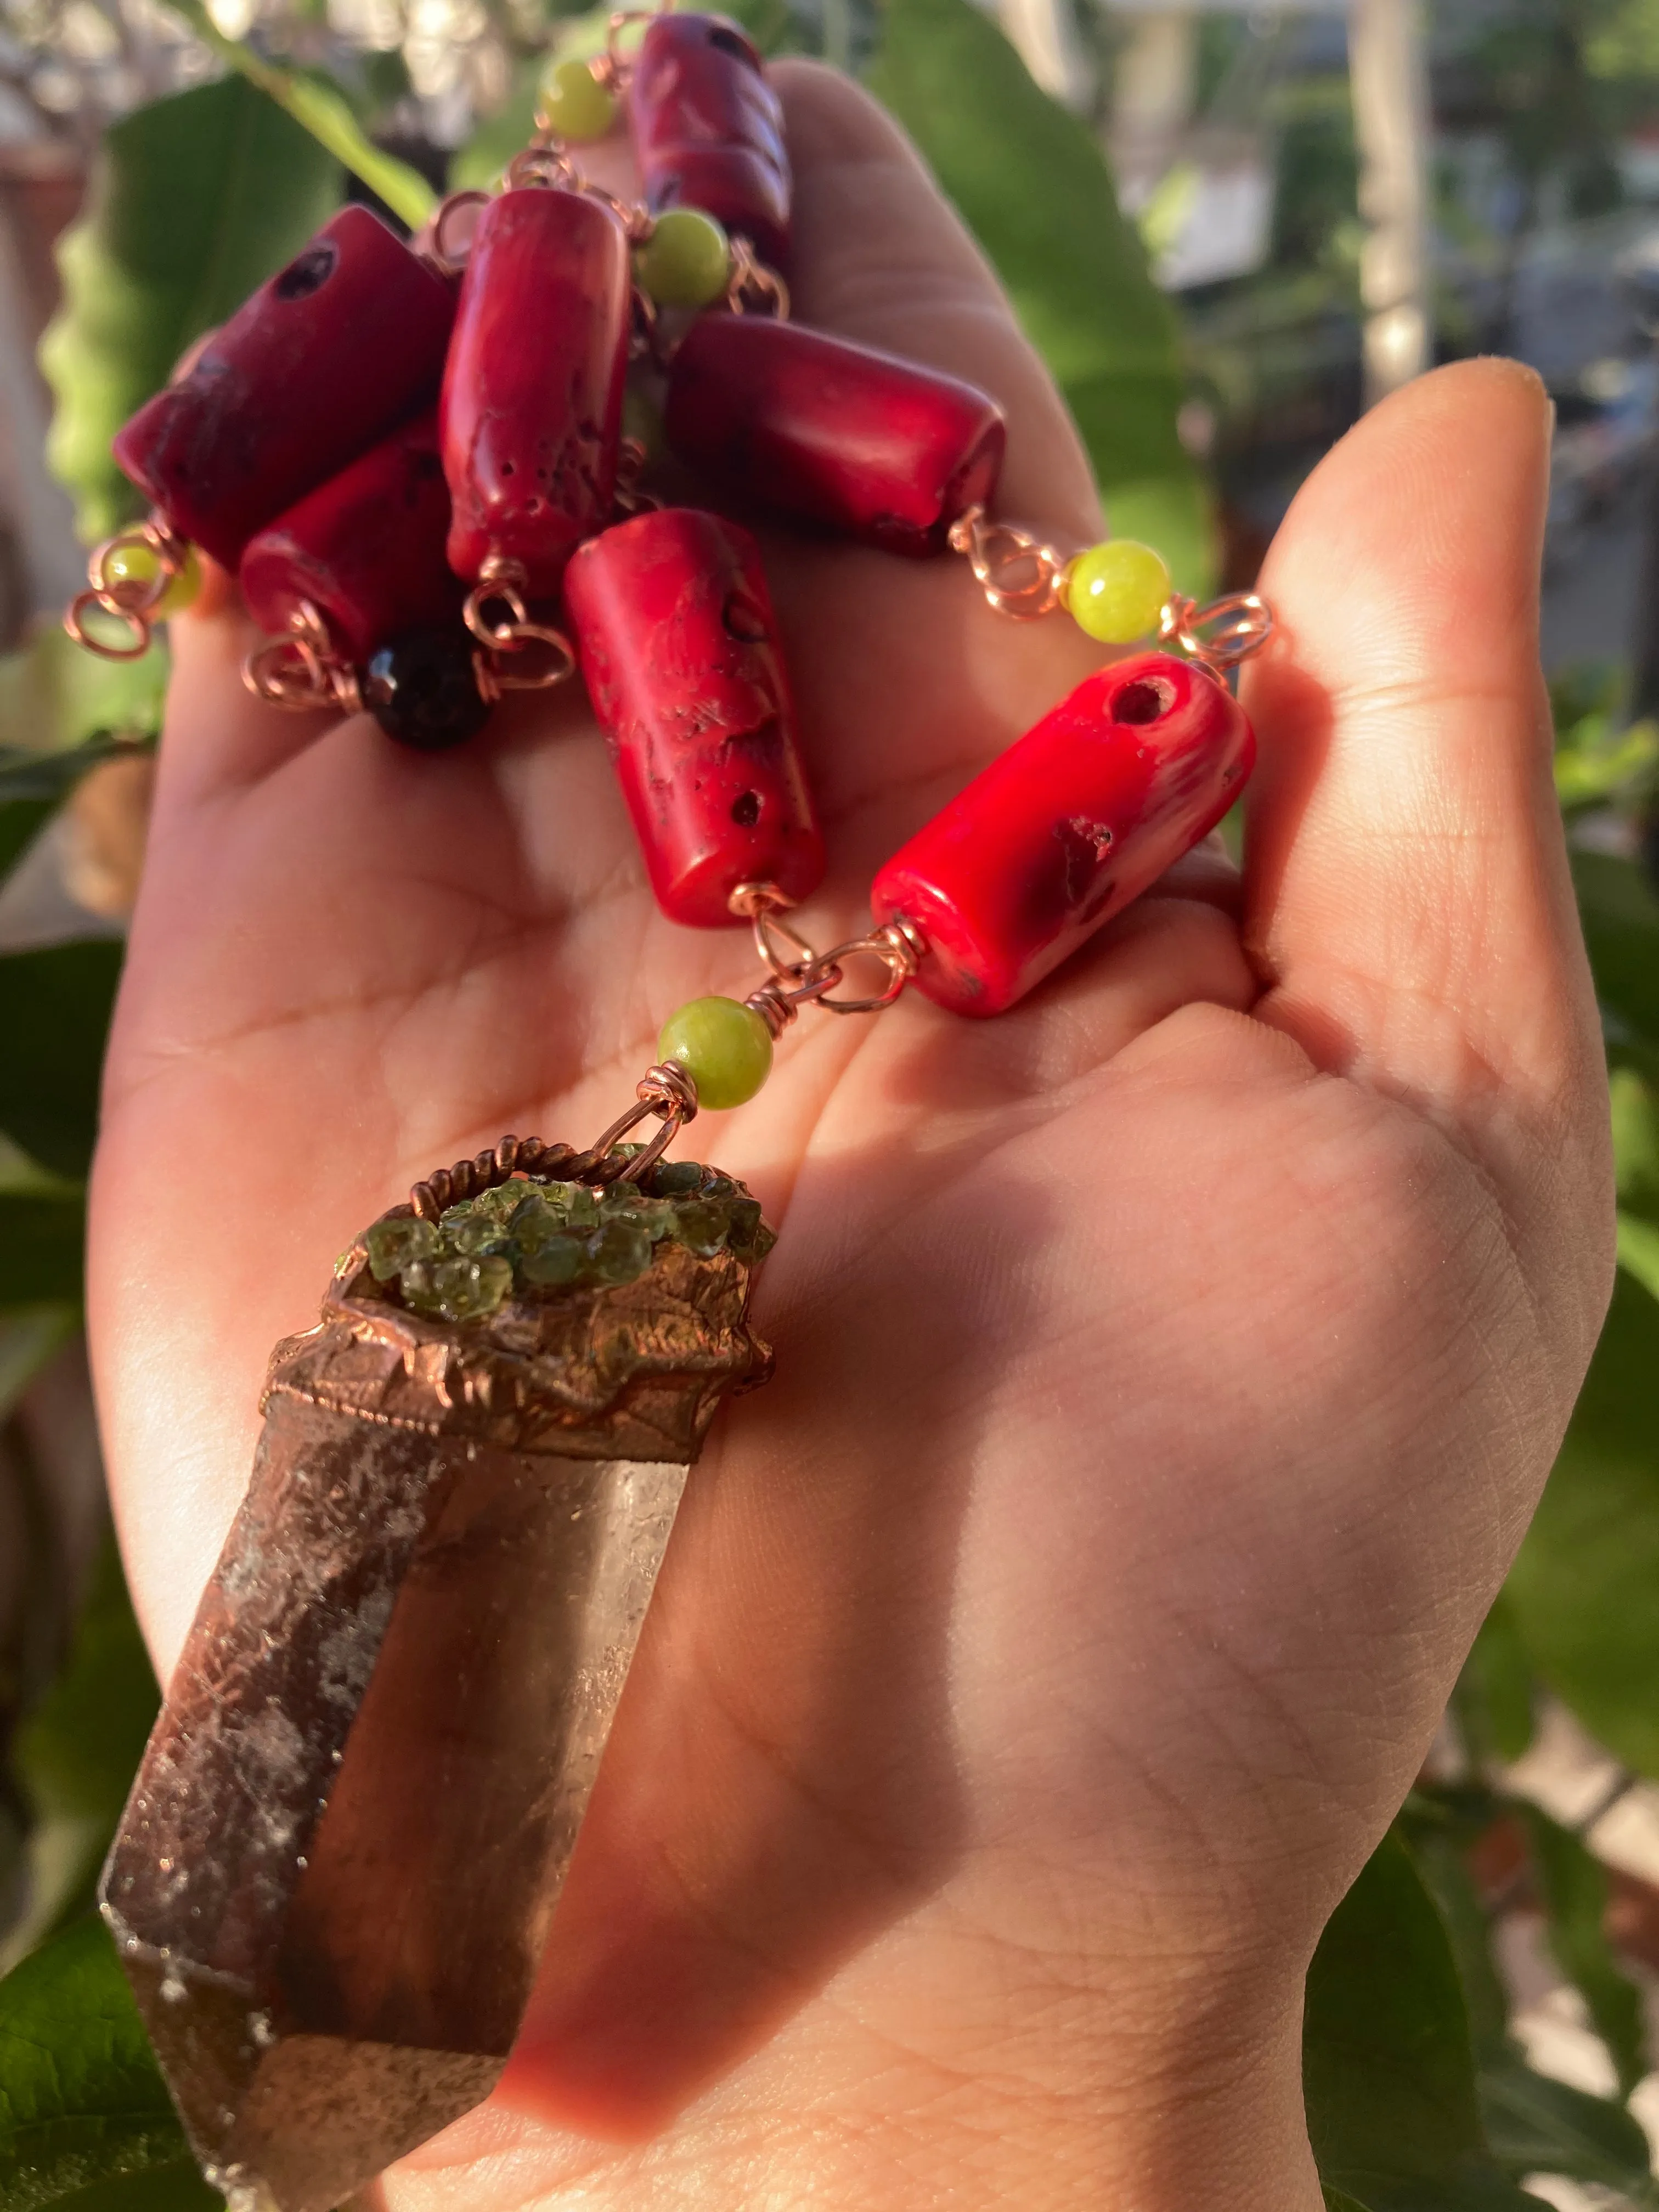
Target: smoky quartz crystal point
(334,1877)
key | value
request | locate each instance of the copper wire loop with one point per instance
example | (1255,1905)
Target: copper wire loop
(752,288)
(1221,634)
(611,69)
(666,1089)
(628,498)
(544,162)
(129,601)
(799,976)
(1020,576)
(301,670)
(499,584)
(447,260)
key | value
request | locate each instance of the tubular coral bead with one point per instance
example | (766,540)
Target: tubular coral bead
(322,361)
(832,433)
(531,414)
(680,651)
(709,130)
(367,547)
(1062,831)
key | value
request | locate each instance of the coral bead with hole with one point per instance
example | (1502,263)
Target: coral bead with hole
(345,342)
(1063,829)
(680,650)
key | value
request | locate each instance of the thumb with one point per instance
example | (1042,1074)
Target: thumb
(1407,897)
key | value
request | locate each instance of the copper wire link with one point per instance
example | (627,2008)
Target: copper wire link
(129,601)
(1020,575)
(752,288)
(301,670)
(1221,634)
(801,976)
(501,585)
(666,1089)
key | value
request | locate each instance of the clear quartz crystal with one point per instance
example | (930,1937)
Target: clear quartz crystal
(332,1885)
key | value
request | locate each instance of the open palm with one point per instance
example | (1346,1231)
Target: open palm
(1165,1370)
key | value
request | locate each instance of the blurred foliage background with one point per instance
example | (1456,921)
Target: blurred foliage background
(1178,203)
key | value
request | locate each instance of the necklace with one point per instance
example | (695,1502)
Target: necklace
(430,468)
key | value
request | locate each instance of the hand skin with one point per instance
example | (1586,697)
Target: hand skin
(1166,1370)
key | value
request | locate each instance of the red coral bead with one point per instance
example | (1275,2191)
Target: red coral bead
(680,650)
(367,547)
(830,432)
(709,130)
(1062,831)
(531,415)
(323,360)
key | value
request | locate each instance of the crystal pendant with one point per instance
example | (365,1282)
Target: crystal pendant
(333,1881)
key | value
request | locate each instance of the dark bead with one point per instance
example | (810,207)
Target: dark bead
(422,690)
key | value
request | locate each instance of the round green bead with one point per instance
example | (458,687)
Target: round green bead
(138,564)
(1116,590)
(723,1046)
(575,104)
(687,260)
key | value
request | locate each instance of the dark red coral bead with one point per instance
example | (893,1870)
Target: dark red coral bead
(1063,829)
(680,650)
(322,361)
(367,547)
(709,130)
(531,416)
(829,432)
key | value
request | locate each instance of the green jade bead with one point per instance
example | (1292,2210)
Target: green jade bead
(575,105)
(687,260)
(138,564)
(1116,592)
(723,1047)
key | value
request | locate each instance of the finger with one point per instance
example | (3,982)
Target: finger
(1406,889)
(881,256)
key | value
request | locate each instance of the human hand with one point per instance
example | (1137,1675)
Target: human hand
(1166,1370)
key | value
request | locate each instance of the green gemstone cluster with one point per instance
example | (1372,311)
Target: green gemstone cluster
(529,1237)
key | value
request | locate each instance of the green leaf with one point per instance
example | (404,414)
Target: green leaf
(1492,1702)
(1573,1886)
(1583,1587)
(1033,186)
(1595,761)
(1388,2071)
(28,1339)
(76,1755)
(85,2118)
(55,1007)
(195,201)
(54,695)
(1538,2126)
(320,107)
(1620,915)
(42,1247)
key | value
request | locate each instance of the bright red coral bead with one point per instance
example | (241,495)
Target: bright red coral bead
(367,547)
(680,650)
(324,359)
(1061,831)
(825,431)
(531,416)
